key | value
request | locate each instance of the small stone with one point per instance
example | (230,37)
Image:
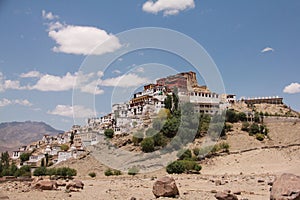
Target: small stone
(218,182)
(214,191)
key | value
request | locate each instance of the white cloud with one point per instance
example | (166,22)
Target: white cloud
(293,88)
(6,102)
(267,49)
(87,83)
(82,40)
(92,88)
(55,83)
(70,111)
(49,15)
(116,71)
(127,80)
(140,70)
(168,7)
(9,84)
(31,74)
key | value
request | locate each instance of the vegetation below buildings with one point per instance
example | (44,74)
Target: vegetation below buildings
(112,172)
(64,172)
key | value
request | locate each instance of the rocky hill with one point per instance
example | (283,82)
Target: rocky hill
(15,134)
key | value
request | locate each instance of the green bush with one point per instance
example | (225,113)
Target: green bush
(175,167)
(92,174)
(184,154)
(196,151)
(242,116)
(111,172)
(24,171)
(138,137)
(147,145)
(260,136)
(133,171)
(64,147)
(117,172)
(159,140)
(254,128)
(224,146)
(180,166)
(108,172)
(109,133)
(245,126)
(24,157)
(231,116)
(40,171)
(150,132)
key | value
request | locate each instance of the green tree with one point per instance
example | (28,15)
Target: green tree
(64,147)
(171,126)
(24,157)
(159,140)
(40,171)
(231,116)
(43,162)
(168,102)
(254,128)
(184,154)
(175,99)
(147,145)
(109,133)
(245,126)
(242,116)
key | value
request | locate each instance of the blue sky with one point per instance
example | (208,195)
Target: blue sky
(255,45)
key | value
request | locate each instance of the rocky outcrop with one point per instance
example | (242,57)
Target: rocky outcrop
(286,187)
(165,187)
(75,184)
(225,196)
(46,185)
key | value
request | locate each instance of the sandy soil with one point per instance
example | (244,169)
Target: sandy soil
(248,172)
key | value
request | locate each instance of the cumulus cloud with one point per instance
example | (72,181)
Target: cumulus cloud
(70,111)
(31,74)
(267,49)
(125,81)
(55,83)
(49,15)
(6,102)
(293,88)
(87,83)
(168,7)
(9,84)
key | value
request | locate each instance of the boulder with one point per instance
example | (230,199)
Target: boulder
(286,187)
(46,185)
(75,184)
(165,187)
(225,196)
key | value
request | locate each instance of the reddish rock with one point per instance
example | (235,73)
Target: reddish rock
(75,184)
(165,187)
(225,196)
(286,187)
(46,185)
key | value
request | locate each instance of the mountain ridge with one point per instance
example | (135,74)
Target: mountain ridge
(15,134)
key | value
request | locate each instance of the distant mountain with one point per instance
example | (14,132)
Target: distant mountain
(15,134)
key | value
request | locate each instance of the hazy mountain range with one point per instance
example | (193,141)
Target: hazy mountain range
(15,134)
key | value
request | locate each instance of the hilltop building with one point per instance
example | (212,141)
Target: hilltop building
(145,105)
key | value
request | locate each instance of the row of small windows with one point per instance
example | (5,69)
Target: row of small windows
(204,95)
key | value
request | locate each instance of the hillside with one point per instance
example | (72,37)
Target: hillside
(15,134)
